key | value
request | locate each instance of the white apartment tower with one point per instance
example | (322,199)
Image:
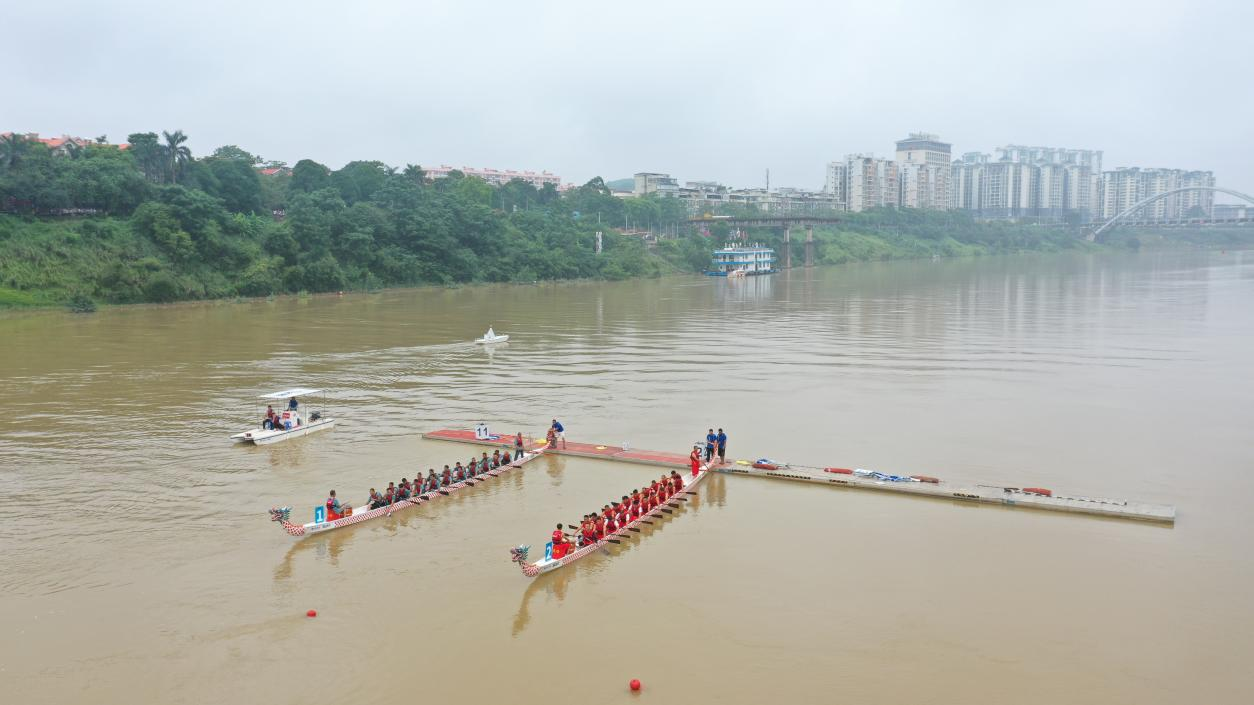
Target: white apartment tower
(869,182)
(1125,187)
(836,184)
(923,172)
(1030,182)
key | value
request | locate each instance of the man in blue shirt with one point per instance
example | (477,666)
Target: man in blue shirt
(710,440)
(722,446)
(561,432)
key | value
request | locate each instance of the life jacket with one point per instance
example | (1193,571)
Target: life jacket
(600,528)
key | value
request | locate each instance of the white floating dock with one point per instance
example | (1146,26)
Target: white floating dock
(1116,508)
(1059,502)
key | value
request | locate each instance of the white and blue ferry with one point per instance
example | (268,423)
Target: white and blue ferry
(742,260)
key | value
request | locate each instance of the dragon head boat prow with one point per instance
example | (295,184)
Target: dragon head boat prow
(283,515)
(518,555)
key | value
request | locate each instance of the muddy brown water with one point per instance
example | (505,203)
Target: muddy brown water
(140,565)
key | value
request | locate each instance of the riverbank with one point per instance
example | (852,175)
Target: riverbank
(82,263)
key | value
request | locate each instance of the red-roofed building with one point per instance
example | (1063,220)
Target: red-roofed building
(58,145)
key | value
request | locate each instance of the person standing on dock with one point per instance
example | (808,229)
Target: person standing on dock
(694,459)
(722,446)
(710,440)
(560,431)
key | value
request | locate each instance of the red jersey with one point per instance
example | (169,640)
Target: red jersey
(600,528)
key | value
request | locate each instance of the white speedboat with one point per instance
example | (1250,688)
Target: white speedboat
(492,337)
(288,423)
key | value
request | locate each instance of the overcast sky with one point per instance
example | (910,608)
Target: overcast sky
(701,89)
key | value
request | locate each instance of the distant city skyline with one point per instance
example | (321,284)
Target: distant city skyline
(611,90)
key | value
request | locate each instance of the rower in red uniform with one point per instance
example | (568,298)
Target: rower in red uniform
(448,477)
(599,526)
(677,482)
(589,532)
(560,544)
(694,459)
(611,524)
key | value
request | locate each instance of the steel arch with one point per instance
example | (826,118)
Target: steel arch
(1158,197)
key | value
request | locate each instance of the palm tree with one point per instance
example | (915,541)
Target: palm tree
(177,152)
(12,146)
(413,171)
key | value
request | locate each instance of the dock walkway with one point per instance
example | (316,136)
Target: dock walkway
(1116,508)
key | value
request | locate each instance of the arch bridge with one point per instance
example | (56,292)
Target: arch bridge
(787,222)
(1123,217)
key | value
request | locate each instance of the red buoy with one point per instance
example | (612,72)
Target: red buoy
(1038,490)
(635,684)
(840,471)
(311,613)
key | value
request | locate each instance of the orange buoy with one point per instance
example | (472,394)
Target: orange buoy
(634,684)
(839,471)
(1038,490)
(925,478)
(311,613)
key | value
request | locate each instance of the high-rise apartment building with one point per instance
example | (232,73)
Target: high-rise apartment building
(1047,183)
(1125,187)
(870,182)
(923,172)
(835,184)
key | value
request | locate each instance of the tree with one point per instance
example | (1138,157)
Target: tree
(234,153)
(358,181)
(12,147)
(102,139)
(309,176)
(236,183)
(176,152)
(148,153)
(415,173)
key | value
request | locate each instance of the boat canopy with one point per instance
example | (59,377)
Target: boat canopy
(294,392)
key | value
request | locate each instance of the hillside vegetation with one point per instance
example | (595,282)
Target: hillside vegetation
(151,223)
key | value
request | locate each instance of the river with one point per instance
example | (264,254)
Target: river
(140,565)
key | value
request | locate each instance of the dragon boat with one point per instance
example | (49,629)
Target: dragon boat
(320,524)
(518,554)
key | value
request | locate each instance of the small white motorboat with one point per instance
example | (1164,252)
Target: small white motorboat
(492,337)
(286,424)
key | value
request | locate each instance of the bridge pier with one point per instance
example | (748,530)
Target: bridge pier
(787,247)
(810,246)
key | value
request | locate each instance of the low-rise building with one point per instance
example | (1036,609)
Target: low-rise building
(498,177)
(647,182)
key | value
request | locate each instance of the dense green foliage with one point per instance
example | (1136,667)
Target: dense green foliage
(162,226)
(153,224)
